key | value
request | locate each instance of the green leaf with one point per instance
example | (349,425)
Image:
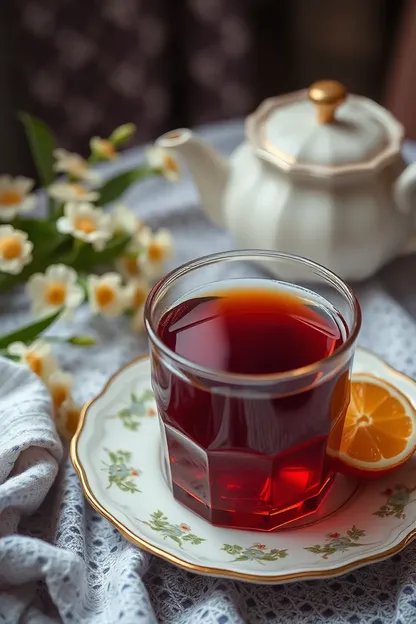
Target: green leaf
(88,258)
(125,455)
(113,457)
(194,539)
(53,250)
(43,234)
(131,425)
(129,486)
(42,144)
(147,395)
(175,538)
(355,533)
(232,549)
(314,549)
(28,333)
(115,187)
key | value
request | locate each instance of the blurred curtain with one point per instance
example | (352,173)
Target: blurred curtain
(86,66)
(89,65)
(400,95)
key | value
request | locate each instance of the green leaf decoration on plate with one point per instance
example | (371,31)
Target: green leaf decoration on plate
(119,472)
(398,497)
(338,543)
(137,409)
(257,552)
(179,533)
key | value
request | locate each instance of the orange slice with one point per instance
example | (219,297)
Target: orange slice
(379,431)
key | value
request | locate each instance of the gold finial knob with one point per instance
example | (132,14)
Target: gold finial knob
(327,95)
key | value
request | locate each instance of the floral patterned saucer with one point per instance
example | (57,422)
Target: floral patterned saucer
(117,454)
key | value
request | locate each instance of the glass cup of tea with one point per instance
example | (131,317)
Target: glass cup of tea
(251,355)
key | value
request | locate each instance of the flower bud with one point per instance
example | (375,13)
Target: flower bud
(82,341)
(122,134)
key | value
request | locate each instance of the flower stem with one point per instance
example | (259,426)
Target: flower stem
(51,208)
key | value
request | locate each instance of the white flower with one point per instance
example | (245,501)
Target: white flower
(137,290)
(15,249)
(59,385)
(127,265)
(71,192)
(54,289)
(106,294)
(37,356)
(67,418)
(15,197)
(163,161)
(103,149)
(124,221)
(74,165)
(87,223)
(155,250)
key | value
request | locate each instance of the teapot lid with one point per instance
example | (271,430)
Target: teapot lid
(324,131)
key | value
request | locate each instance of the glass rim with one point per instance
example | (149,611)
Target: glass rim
(162,286)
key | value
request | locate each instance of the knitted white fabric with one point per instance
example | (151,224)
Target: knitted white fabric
(60,561)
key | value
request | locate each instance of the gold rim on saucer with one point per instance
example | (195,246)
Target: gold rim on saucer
(207,570)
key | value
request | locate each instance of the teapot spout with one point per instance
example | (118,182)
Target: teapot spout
(208,169)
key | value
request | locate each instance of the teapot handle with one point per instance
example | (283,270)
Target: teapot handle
(405,190)
(405,198)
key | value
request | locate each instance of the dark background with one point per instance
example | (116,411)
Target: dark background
(85,66)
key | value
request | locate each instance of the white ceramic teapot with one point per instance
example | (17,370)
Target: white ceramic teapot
(320,175)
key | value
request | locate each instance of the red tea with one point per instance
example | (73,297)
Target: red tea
(249,460)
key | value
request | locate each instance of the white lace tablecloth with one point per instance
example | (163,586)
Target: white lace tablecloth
(64,562)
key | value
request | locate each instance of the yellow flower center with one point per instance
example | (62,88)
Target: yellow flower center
(77,169)
(155,252)
(104,295)
(139,297)
(130,262)
(86,225)
(170,163)
(10,198)
(106,148)
(11,247)
(78,190)
(55,293)
(59,394)
(35,363)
